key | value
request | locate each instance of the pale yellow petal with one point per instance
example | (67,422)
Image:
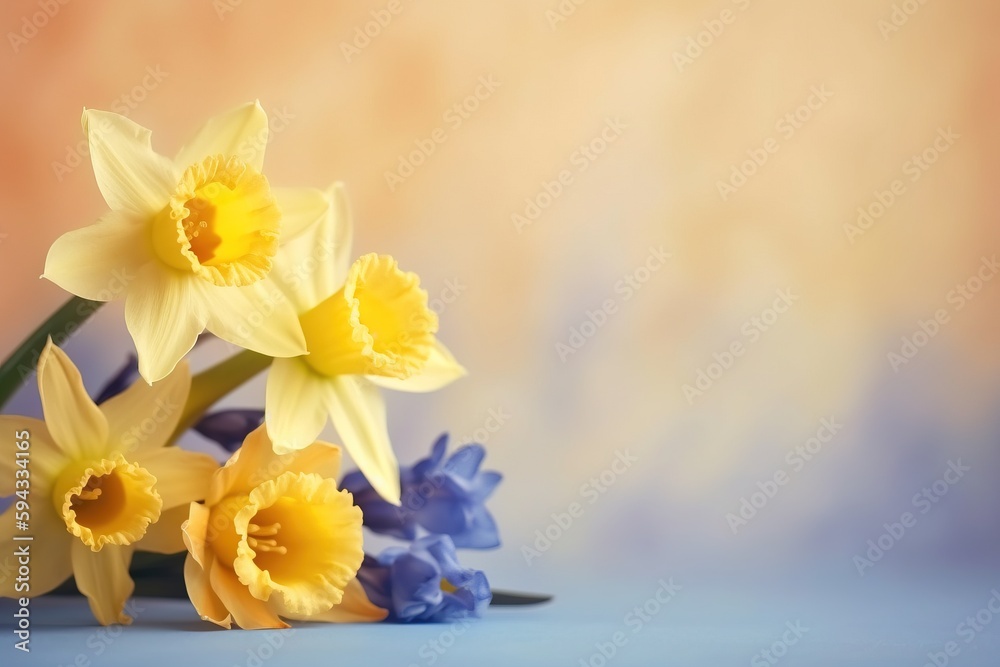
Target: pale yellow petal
(205,601)
(440,370)
(241,132)
(294,405)
(355,607)
(358,413)
(164,319)
(249,612)
(75,422)
(181,476)
(257,317)
(256,462)
(144,416)
(103,577)
(312,266)
(195,533)
(100,261)
(45,459)
(129,173)
(300,208)
(50,565)
(165,536)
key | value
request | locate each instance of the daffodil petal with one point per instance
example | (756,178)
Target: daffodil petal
(194,532)
(294,405)
(249,612)
(241,132)
(181,476)
(341,236)
(165,536)
(129,173)
(256,461)
(440,370)
(45,458)
(49,567)
(358,413)
(300,208)
(103,577)
(163,318)
(76,424)
(257,317)
(205,601)
(99,262)
(312,266)
(144,416)
(355,607)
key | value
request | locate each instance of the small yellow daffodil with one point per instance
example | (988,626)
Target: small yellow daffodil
(189,242)
(275,539)
(102,483)
(366,325)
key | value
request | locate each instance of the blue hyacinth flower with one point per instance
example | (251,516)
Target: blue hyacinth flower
(425,583)
(443,497)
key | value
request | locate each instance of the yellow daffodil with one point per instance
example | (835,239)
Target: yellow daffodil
(189,242)
(101,483)
(366,325)
(275,539)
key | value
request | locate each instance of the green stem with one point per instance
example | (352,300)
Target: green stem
(22,363)
(211,385)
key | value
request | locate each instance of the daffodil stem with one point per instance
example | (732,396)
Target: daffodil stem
(21,364)
(211,385)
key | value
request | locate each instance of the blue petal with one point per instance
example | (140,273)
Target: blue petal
(123,379)
(466,461)
(480,534)
(230,428)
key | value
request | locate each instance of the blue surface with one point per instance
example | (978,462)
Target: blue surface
(860,622)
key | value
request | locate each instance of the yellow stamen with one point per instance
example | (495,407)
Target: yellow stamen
(110,501)
(222,223)
(377,324)
(301,539)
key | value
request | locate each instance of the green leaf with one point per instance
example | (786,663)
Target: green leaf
(22,363)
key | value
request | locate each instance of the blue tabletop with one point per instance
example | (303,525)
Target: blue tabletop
(913,623)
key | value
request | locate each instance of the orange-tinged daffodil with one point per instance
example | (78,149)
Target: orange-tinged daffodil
(101,483)
(367,325)
(275,539)
(189,242)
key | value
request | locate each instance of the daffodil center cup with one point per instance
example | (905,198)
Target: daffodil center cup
(110,501)
(222,223)
(300,538)
(377,324)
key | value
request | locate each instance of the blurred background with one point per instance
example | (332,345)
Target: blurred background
(746,249)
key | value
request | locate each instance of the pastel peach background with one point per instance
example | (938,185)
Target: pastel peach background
(684,124)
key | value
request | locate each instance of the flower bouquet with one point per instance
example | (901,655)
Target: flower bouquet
(202,245)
